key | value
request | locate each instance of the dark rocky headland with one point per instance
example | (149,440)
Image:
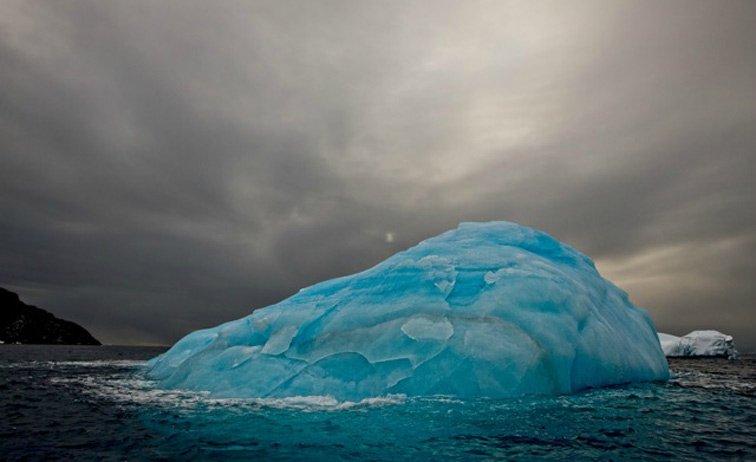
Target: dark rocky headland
(22,323)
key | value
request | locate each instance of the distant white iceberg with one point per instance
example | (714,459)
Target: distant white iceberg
(710,343)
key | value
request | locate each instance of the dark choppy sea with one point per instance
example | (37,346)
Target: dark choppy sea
(92,403)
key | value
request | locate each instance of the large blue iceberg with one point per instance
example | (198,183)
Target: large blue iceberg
(485,310)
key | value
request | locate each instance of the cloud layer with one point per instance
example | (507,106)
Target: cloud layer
(174,165)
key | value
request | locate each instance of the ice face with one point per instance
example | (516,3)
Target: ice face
(699,343)
(484,310)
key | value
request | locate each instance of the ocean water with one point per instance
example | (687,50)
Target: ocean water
(93,403)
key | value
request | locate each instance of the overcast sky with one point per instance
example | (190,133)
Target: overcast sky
(172,165)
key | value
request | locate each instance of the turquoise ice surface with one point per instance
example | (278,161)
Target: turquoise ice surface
(485,310)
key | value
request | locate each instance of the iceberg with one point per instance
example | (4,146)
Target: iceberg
(485,310)
(709,343)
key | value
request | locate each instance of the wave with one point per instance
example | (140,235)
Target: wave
(133,388)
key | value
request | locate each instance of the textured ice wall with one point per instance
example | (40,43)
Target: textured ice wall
(487,309)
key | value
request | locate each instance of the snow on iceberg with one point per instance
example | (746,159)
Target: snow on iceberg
(699,343)
(485,310)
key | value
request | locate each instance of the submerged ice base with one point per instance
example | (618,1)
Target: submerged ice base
(485,310)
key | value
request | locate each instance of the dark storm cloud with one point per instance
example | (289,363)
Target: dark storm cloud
(170,166)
